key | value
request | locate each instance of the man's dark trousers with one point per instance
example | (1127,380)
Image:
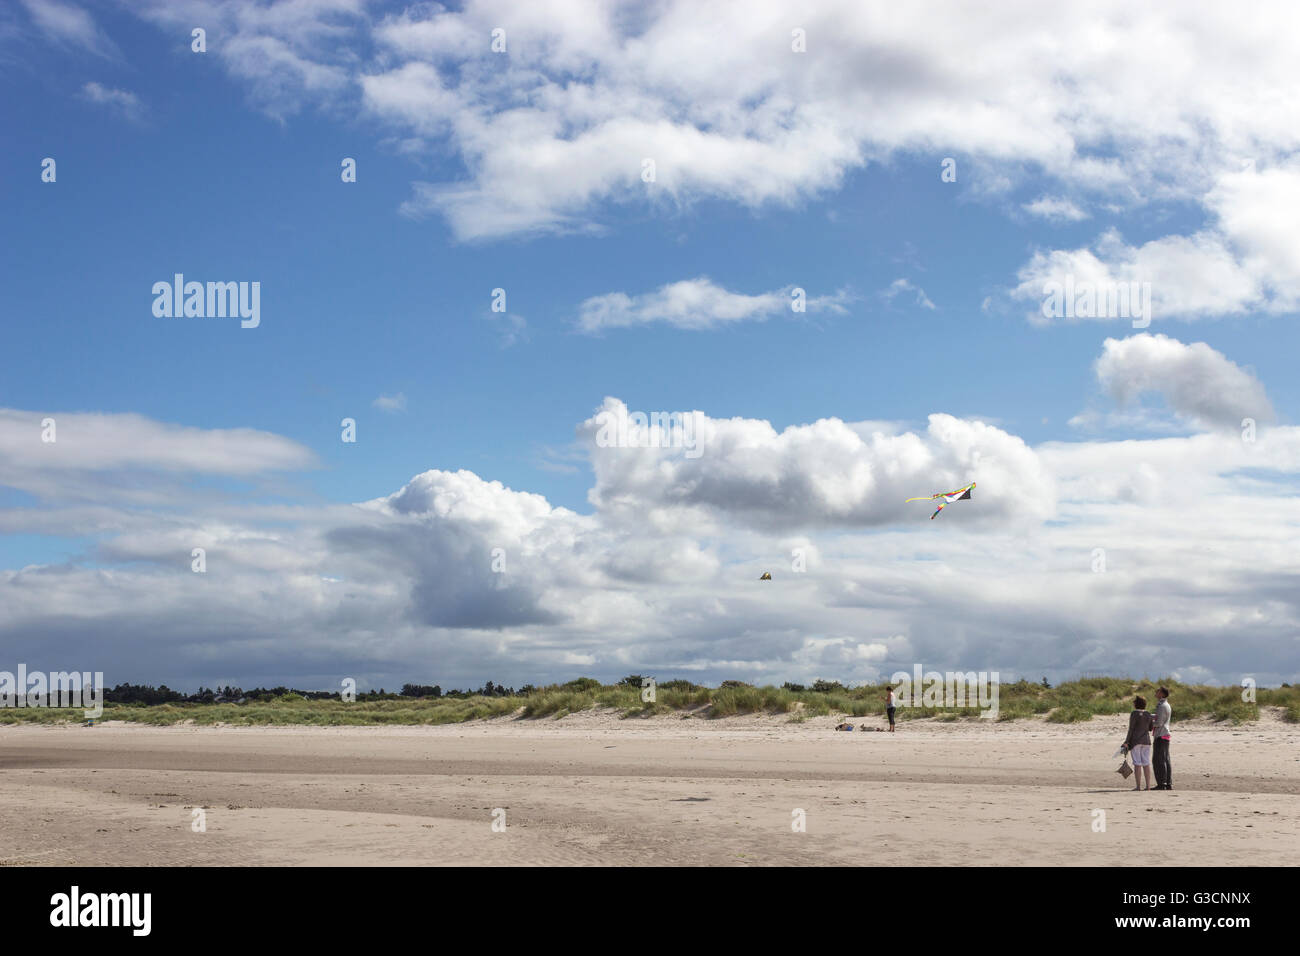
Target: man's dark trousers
(1160,763)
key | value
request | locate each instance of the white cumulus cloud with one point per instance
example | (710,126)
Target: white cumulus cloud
(694,304)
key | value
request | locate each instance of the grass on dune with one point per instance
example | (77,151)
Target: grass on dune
(1073,702)
(319,713)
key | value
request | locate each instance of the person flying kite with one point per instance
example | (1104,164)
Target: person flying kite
(948,498)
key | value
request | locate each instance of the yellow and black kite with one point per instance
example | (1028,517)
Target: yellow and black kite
(948,498)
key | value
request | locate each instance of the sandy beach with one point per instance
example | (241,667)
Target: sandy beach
(673,791)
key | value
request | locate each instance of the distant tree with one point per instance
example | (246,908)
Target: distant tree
(142,694)
(678,684)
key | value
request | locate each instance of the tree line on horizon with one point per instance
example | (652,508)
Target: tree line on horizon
(148,695)
(162,694)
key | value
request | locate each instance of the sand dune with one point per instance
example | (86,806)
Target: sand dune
(593,789)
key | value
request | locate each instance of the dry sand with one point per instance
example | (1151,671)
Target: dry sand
(594,789)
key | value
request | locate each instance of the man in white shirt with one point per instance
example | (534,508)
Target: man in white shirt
(1160,742)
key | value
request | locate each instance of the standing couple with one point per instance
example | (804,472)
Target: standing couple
(1142,727)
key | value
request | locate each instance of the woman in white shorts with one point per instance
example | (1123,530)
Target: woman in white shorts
(1138,742)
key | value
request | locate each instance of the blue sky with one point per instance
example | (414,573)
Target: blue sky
(218,166)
